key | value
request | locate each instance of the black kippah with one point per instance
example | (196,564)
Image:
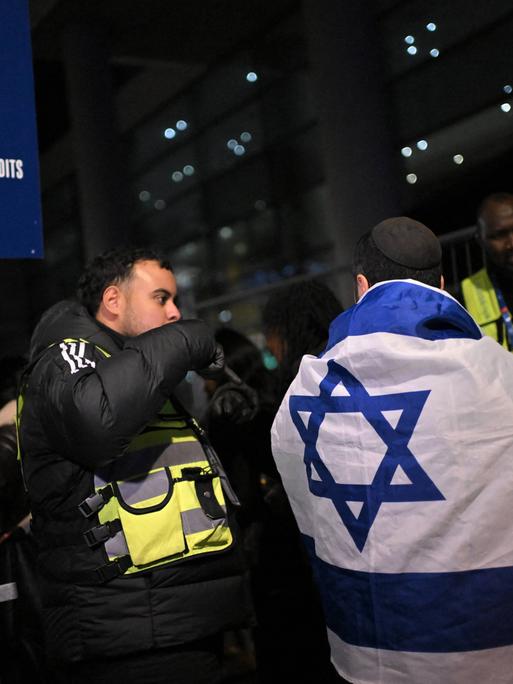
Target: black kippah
(407,242)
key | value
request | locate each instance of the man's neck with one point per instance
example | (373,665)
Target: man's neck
(117,337)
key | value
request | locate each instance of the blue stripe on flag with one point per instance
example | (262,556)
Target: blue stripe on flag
(423,612)
(405,308)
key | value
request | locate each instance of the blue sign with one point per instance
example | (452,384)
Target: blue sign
(20,206)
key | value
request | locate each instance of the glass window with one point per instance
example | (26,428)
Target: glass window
(450,83)
(282,50)
(161,134)
(227,85)
(425,30)
(231,140)
(235,193)
(165,181)
(175,223)
(459,83)
(296,163)
(468,143)
(286,106)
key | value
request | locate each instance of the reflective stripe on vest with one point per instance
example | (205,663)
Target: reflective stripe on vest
(8,592)
(481,302)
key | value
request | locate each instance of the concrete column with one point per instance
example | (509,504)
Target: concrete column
(347,75)
(104,202)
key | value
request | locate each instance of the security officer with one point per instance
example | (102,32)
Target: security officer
(488,294)
(141,571)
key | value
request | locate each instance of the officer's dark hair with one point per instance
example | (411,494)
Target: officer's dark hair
(112,268)
(376,267)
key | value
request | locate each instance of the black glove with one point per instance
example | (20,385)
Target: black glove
(235,402)
(215,369)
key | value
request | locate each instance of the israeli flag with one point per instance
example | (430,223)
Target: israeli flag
(396,451)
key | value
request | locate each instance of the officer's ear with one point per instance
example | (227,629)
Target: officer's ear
(362,285)
(442,282)
(112,300)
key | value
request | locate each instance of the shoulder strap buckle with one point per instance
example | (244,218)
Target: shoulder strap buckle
(101,533)
(96,501)
(114,569)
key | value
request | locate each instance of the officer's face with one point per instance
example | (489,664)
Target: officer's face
(147,299)
(497,234)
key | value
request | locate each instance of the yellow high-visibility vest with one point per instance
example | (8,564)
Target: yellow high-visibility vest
(482,304)
(161,501)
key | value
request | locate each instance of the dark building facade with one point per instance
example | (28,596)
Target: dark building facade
(255,141)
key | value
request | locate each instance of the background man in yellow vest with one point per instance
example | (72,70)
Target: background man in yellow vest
(488,294)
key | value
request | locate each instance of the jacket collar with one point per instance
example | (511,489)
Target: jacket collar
(69,319)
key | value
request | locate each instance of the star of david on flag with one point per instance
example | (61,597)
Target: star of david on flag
(382,489)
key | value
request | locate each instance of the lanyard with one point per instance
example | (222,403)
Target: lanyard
(505,313)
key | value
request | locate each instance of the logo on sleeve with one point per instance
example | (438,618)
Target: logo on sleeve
(74,355)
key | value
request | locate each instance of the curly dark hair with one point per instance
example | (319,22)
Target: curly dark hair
(111,268)
(300,315)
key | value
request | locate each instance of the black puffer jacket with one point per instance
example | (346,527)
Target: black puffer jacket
(80,414)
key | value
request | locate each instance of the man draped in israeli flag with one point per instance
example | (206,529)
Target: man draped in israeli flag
(396,450)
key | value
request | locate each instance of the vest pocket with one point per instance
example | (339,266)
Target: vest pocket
(150,516)
(203,511)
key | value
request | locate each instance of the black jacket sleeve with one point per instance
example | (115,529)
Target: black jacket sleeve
(92,413)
